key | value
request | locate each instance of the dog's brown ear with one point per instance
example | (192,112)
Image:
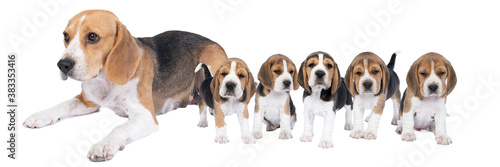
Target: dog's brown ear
(251,87)
(123,58)
(265,76)
(451,77)
(386,76)
(412,79)
(336,80)
(215,86)
(295,77)
(349,83)
(303,77)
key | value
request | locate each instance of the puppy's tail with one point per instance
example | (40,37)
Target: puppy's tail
(392,62)
(205,68)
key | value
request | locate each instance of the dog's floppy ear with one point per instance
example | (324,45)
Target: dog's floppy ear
(123,58)
(251,87)
(386,75)
(412,79)
(349,83)
(451,77)
(303,78)
(215,86)
(336,80)
(265,76)
(295,77)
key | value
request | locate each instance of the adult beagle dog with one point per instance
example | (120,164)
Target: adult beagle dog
(430,80)
(324,94)
(273,104)
(228,92)
(371,83)
(137,78)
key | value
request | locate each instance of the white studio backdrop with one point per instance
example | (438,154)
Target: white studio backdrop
(465,32)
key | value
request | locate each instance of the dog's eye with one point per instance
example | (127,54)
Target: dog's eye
(291,71)
(375,72)
(66,37)
(441,73)
(311,65)
(358,73)
(223,74)
(241,76)
(423,74)
(93,38)
(277,72)
(329,66)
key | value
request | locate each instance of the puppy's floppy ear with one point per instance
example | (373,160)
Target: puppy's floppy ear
(123,58)
(386,75)
(295,77)
(215,86)
(251,87)
(303,78)
(265,76)
(336,80)
(451,77)
(349,83)
(412,79)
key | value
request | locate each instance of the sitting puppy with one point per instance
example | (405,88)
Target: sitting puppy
(277,76)
(324,94)
(371,83)
(430,80)
(228,92)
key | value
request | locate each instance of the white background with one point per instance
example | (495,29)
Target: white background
(466,33)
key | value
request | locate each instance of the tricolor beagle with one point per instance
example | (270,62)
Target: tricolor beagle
(324,94)
(137,78)
(228,92)
(430,80)
(371,83)
(273,104)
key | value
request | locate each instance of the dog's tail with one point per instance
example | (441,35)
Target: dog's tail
(205,68)
(392,62)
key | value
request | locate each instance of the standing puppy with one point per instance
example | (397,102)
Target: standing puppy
(324,94)
(228,92)
(430,80)
(277,76)
(371,83)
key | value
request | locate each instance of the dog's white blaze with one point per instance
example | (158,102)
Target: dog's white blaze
(367,77)
(319,67)
(231,77)
(433,79)
(74,52)
(278,84)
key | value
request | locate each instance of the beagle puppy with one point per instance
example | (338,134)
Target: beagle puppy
(371,83)
(137,78)
(430,80)
(273,104)
(228,92)
(324,94)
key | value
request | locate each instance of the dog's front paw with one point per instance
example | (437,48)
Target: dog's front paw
(443,139)
(306,137)
(357,133)
(42,119)
(408,136)
(203,123)
(257,134)
(348,126)
(326,143)
(221,138)
(104,151)
(370,135)
(248,139)
(285,134)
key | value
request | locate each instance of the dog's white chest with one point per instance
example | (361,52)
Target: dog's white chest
(271,106)
(316,105)
(425,111)
(231,106)
(368,101)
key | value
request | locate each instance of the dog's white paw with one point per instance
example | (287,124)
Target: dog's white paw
(408,136)
(394,121)
(221,138)
(326,143)
(104,151)
(248,139)
(306,137)
(443,139)
(348,126)
(42,119)
(285,134)
(357,134)
(257,134)
(203,123)
(370,135)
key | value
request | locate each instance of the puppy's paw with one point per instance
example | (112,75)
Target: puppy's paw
(285,134)
(394,122)
(221,138)
(104,151)
(203,123)
(443,139)
(306,137)
(42,119)
(357,133)
(348,127)
(326,143)
(248,139)
(257,134)
(408,136)
(370,135)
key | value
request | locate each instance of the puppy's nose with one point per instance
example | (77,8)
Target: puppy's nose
(367,85)
(230,86)
(287,83)
(433,87)
(65,65)
(320,74)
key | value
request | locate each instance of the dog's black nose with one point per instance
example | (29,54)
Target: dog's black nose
(433,87)
(287,83)
(320,74)
(65,65)
(230,86)
(367,85)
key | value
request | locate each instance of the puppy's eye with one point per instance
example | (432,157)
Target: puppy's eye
(441,74)
(241,76)
(66,37)
(93,38)
(375,72)
(291,71)
(329,66)
(223,74)
(358,73)
(423,74)
(311,65)
(277,72)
